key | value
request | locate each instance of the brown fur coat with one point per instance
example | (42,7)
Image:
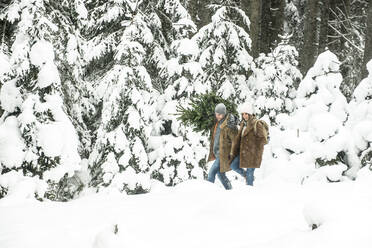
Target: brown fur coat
(250,144)
(227,136)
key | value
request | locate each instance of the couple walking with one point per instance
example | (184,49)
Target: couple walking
(236,149)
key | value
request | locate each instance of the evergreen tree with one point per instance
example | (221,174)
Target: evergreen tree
(47,144)
(169,23)
(177,152)
(224,52)
(314,138)
(119,158)
(322,111)
(70,17)
(200,113)
(360,124)
(274,81)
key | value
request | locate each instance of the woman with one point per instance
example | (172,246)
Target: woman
(248,145)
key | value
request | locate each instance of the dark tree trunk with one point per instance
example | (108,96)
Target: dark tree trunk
(345,8)
(309,51)
(368,45)
(199,11)
(333,36)
(265,25)
(253,9)
(277,21)
(323,33)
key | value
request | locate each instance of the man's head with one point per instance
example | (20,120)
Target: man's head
(220,111)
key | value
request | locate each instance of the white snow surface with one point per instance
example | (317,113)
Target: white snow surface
(198,214)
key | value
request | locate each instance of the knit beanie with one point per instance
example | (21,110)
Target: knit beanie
(220,109)
(246,108)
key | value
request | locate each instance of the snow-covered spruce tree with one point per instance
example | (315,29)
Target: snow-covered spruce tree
(119,158)
(169,22)
(294,16)
(321,113)
(313,139)
(80,105)
(177,152)
(274,81)
(224,52)
(70,17)
(5,69)
(360,123)
(40,148)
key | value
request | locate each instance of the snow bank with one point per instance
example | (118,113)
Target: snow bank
(190,186)
(267,215)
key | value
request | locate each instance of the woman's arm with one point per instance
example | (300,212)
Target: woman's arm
(261,130)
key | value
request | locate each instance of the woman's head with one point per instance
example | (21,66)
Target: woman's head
(246,116)
(246,110)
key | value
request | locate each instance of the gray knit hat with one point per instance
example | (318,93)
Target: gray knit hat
(220,109)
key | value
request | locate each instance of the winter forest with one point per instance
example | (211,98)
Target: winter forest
(99,100)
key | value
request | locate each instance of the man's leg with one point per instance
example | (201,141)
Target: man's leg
(214,170)
(250,176)
(224,180)
(235,166)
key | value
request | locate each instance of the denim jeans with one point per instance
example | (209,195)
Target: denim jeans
(215,170)
(235,166)
(248,174)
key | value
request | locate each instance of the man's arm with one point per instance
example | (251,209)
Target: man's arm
(233,138)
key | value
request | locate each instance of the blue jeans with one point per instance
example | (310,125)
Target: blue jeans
(248,174)
(215,170)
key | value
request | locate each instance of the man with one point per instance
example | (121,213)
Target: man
(222,136)
(248,146)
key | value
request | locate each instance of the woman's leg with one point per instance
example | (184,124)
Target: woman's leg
(235,166)
(250,176)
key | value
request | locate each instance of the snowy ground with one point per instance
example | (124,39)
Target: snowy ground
(199,214)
